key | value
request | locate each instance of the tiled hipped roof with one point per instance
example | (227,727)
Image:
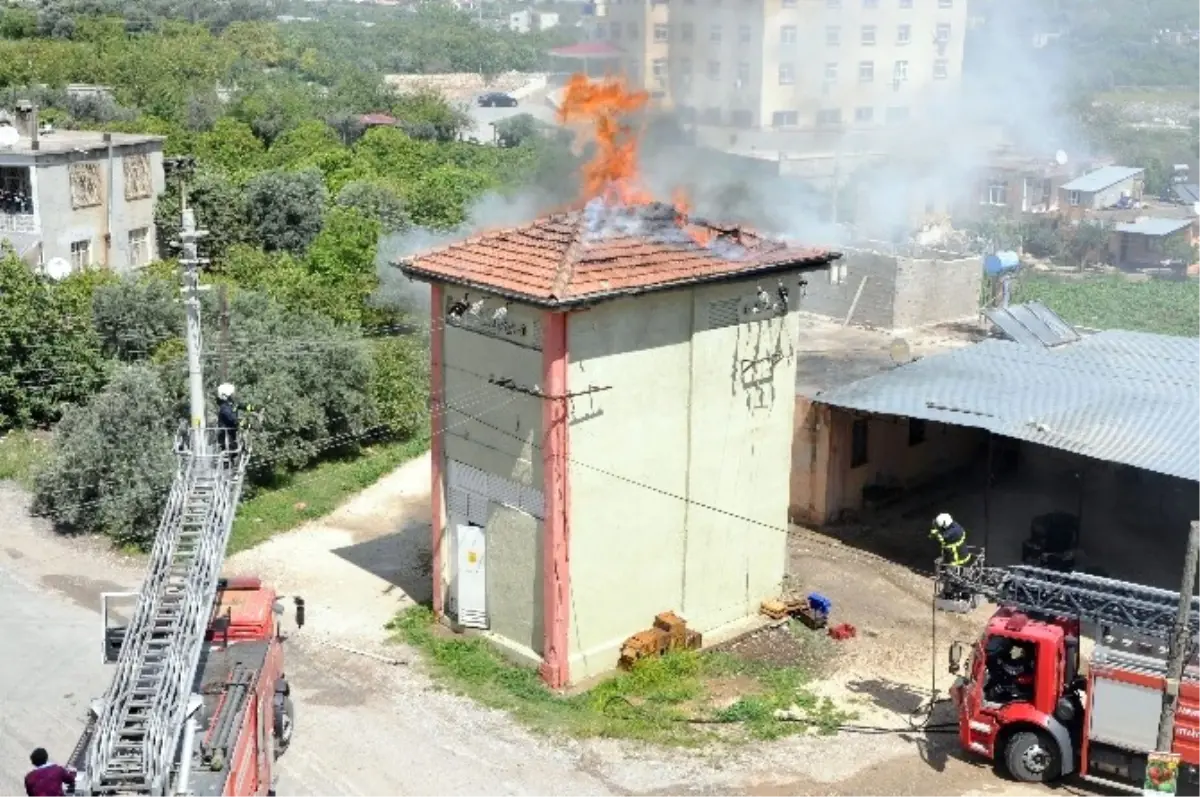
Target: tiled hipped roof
(556,261)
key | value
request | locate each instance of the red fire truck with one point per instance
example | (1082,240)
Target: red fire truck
(1023,699)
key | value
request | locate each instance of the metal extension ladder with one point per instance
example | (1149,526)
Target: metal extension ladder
(139,724)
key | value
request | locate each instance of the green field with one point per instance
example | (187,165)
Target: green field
(1162,306)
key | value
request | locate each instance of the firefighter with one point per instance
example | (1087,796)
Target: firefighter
(227,419)
(951,537)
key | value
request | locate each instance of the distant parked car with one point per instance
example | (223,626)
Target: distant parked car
(497,99)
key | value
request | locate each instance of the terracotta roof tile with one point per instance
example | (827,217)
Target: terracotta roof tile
(589,254)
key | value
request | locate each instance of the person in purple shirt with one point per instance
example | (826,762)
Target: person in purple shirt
(46,778)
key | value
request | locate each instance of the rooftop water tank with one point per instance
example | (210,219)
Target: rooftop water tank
(996,264)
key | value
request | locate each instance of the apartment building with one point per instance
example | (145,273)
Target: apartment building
(836,64)
(639,28)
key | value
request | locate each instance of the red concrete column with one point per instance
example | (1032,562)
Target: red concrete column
(437,451)
(556,577)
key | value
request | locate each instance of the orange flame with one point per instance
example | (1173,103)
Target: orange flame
(604,106)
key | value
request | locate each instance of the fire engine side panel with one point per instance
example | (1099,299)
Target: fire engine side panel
(1124,714)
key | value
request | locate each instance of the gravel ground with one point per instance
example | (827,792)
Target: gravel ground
(365,726)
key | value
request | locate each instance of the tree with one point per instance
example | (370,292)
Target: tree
(286,209)
(49,354)
(378,200)
(133,317)
(220,208)
(232,147)
(439,199)
(1178,249)
(400,385)
(516,130)
(1087,242)
(306,141)
(111,464)
(426,115)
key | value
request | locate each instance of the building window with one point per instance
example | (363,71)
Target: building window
(903,34)
(997,192)
(659,66)
(81,255)
(600,32)
(714,70)
(829,117)
(787,74)
(744,34)
(864,115)
(916,431)
(687,32)
(685,67)
(943,32)
(661,33)
(742,118)
(138,184)
(785,119)
(787,34)
(1073,198)
(897,113)
(743,73)
(633,30)
(714,33)
(945,3)
(941,69)
(868,35)
(831,70)
(833,36)
(16,192)
(900,71)
(858,443)
(139,247)
(866,71)
(85,184)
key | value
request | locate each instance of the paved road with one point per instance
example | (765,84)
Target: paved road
(46,679)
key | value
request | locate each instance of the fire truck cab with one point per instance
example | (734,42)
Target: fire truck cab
(1023,702)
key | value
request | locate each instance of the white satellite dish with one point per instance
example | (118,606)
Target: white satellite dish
(1060,157)
(58,268)
(8,136)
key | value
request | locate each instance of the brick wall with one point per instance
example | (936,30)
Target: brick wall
(936,291)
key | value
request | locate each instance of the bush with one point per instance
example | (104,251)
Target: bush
(400,385)
(111,463)
(134,316)
(220,208)
(377,200)
(286,209)
(49,354)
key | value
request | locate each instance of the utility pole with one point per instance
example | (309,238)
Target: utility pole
(1180,642)
(189,271)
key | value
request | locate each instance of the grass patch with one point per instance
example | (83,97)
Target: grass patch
(1164,306)
(20,454)
(669,700)
(313,493)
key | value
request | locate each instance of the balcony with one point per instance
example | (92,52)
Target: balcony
(18,223)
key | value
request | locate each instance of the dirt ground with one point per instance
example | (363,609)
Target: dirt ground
(369,721)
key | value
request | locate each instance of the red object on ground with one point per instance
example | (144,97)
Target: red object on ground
(843,631)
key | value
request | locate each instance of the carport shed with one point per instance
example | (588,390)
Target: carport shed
(1106,426)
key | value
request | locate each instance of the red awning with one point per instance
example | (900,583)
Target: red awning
(588,50)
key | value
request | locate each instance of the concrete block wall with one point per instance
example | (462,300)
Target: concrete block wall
(832,295)
(936,291)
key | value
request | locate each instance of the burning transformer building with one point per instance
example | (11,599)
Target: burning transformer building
(613,404)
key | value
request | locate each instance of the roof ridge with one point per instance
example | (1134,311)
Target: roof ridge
(566,266)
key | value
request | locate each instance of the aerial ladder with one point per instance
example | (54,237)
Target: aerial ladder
(1043,593)
(136,740)
(133,745)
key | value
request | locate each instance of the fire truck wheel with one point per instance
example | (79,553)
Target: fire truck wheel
(1032,757)
(285,723)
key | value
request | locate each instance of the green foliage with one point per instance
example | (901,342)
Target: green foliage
(133,318)
(1163,306)
(516,130)
(400,385)
(21,452)
(304,142)
(427,116)
(220,207)
(232,147)
(49,354)
(111,463)
(439,200)
(286,209)
(378,200)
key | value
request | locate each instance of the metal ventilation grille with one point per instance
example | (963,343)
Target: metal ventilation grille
(723,313)
(535,334)
(469,490)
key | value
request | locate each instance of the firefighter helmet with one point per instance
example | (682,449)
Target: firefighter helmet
(225,391)
(943,521)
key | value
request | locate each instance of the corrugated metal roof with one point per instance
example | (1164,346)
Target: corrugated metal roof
(1153,226)
(1128,397)
(1101,178)
(1186,192)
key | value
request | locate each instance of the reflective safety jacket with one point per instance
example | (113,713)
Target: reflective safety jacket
(951,541)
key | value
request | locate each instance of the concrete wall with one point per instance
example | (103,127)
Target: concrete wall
(1132,250)
(824,485)
(61,224)
(936,291)
(698,413)
(899,292)
(499,431)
